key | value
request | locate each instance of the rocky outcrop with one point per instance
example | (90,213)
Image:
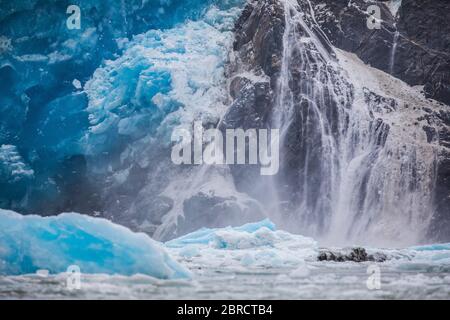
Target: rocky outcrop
(203,209)
(440,225)
(285,71)
(259,37)
(254,74)
(418,54)
(354,254)
(423,55)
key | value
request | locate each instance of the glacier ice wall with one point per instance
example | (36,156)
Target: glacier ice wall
(85,109)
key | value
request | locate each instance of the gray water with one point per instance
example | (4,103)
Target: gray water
(326,280)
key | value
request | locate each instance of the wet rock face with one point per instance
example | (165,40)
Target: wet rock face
(423,55)
(257,92)
(346,27)
(254,74)
(440,227)
(259,36)
(419,55)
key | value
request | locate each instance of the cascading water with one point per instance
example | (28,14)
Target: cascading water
(349,173)
(393,52)
(305,91)
(356,163)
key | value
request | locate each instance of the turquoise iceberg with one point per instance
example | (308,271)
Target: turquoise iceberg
(206,236)
(30,243)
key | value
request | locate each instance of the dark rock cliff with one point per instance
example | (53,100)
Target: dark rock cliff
(414,46)
(422,49)
(418,55)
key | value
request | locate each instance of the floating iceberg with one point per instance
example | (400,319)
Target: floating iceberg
(433,247)
(226,238)
(31,243)
(251,245)
(438,253)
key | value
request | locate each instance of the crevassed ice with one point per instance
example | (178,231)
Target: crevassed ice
(209,235)
(31,243)
(12,166)
(45,115)
(164,78)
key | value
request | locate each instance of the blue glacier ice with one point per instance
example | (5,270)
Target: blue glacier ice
(157,84)
(257,244)
(208,235)
(30,243)
(438,253)
(433,247)
(262,234)
(77,105)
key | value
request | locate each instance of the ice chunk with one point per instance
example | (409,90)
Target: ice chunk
(434,253)
(234,239)
(77,84)
(220,236)
(251,245)
(32,243)
(426,258)
(302,271)
(433,247)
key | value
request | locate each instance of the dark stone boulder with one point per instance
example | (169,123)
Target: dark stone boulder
(354,254)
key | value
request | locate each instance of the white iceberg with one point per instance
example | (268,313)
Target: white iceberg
(251,245)
(31,243)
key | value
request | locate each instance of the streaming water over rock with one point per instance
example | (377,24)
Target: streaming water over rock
(353,167)
(393,52)
(364,156)
(309,91)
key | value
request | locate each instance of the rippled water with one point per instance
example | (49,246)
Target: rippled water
(322,280)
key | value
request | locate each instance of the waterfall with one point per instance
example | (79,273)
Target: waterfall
(393,51)
(349,173)
(312,104)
